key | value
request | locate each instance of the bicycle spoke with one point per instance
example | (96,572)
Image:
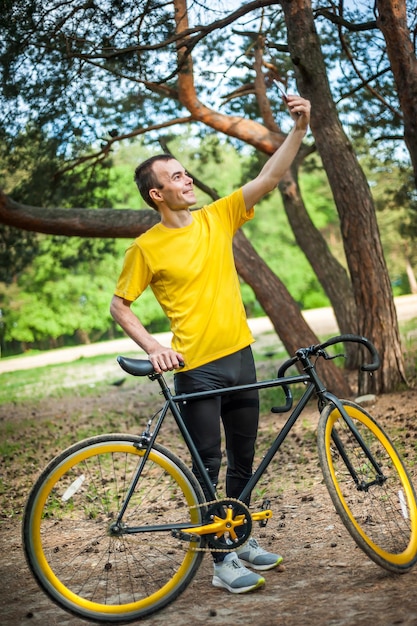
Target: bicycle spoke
(378,509)
(73,540)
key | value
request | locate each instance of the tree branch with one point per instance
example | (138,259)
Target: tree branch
(188,37)
(101,154)
(364,81)
(340,21)
(246,130)
(76,222)
(260,89)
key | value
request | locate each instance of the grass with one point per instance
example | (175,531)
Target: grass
(83,377)
(88,376)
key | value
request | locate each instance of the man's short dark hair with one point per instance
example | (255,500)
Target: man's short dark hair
(146,179)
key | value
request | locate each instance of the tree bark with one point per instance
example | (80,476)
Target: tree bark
(411,276)
(370,280)
(330,273)
(283,311)
(111,223)
(392,22)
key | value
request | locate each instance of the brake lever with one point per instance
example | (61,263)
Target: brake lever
(328,357)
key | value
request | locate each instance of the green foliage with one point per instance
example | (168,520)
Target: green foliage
(122,191)
(17,249)
(274,241)
(71,78)
(31,172)
(394,193)
(50,300)
(64,294)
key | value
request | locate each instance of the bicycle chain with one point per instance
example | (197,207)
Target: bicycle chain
(198,537)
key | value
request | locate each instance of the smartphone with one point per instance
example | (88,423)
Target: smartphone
(282,90)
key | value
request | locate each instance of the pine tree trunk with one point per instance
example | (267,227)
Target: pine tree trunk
(331,274)
(392,21)
(370,280)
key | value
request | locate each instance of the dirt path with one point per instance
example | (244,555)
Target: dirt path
(327,580)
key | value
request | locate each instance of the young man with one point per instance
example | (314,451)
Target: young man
(187,260)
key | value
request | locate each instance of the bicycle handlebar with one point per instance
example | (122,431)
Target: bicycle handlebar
(315,350)
(367,367)
(141,367)
(319,350)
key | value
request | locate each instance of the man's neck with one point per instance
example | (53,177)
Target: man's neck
(175,218)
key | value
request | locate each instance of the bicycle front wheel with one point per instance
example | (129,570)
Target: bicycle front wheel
(378,511)
(76,557)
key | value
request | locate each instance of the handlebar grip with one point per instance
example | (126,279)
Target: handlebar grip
(286,389)
(286,365)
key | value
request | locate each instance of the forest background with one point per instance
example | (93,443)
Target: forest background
(89,89)
(62,296)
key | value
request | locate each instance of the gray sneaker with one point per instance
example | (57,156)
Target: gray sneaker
(232,575)
(252,555)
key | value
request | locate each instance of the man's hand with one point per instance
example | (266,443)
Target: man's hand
(165,359)
(300,111)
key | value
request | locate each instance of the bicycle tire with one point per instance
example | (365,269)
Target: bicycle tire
(383,519)
(68,546)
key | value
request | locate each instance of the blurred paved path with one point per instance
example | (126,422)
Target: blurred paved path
(321,321)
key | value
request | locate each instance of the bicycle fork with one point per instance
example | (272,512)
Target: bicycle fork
(361,485)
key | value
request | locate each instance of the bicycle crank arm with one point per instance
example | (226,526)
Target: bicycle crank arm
(262,516)
(219,526)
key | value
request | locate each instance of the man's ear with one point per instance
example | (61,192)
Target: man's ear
(155,195)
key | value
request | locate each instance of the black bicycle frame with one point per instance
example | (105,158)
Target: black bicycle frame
(172,402)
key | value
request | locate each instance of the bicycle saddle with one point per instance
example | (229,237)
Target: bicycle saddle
(136,367)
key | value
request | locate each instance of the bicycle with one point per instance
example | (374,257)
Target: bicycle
(116,526)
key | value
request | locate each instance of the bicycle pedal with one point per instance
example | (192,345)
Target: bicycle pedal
(266,505)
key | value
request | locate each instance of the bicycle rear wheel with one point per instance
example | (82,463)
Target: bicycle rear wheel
(380,515)
(83,566)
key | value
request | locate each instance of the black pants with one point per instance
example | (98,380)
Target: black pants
(239,413)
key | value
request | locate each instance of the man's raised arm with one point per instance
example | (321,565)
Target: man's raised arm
(275,168)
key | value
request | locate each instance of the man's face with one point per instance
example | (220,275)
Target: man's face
(177,187)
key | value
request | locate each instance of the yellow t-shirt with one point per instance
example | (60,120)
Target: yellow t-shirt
(192,273)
